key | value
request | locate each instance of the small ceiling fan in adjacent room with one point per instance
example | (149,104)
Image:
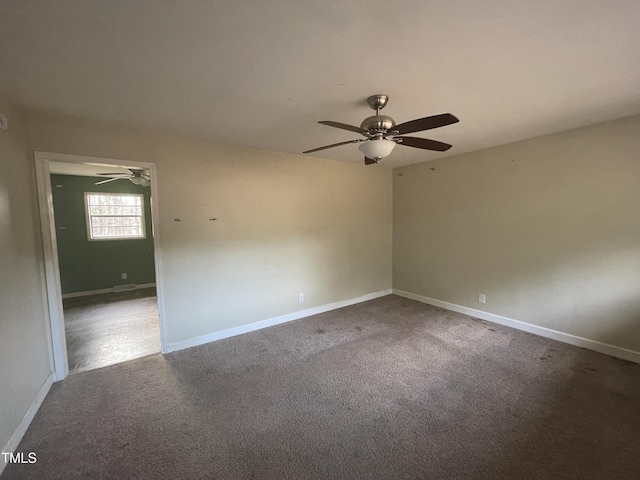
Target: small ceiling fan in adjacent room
(139,177)
(382,134)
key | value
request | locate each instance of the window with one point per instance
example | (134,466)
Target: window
(114,216)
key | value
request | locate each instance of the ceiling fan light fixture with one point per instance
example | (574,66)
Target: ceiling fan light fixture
(143,182)
(377,148)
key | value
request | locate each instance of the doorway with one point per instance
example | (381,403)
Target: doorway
(101,260)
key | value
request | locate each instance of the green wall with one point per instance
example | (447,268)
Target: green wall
(95,265)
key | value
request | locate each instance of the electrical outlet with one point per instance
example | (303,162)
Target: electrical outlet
(301,297)
(482,298)
(124,276)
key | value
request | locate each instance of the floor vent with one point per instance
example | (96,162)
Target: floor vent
(124,288)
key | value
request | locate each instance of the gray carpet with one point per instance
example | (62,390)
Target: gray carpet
(386,389)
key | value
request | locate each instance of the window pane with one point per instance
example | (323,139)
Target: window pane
(113,215)
(114,210)
(116,232)
(116,221)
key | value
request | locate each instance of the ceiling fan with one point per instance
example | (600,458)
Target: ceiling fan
(139,177)
(382,134)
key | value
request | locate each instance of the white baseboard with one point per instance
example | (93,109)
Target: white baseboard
(587,343)
(14,441)
(232,332)
(103,290)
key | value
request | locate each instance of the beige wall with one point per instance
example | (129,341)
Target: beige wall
(548,229)
(286,224)
(24,338)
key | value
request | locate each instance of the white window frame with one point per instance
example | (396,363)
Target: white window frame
(88,217)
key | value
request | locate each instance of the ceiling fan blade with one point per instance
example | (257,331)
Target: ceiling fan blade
(108,180)
(344,126)
(334,145)
(424,143)
(369,161)
(426,123)
(115,174)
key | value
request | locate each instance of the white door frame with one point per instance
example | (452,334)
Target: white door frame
(50,249)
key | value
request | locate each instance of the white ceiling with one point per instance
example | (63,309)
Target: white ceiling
(261,73)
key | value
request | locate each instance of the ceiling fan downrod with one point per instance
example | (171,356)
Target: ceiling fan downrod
(378,125)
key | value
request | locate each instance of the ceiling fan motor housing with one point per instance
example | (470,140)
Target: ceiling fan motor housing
(378,122)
